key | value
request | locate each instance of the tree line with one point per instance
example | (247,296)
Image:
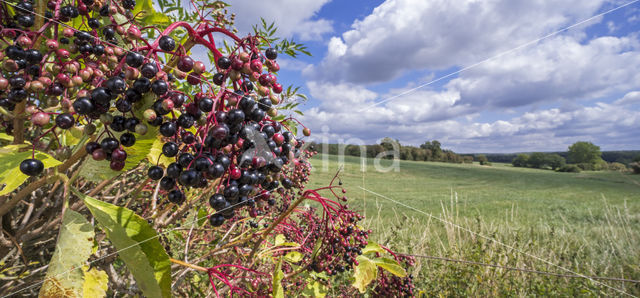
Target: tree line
(389,148)
(580,156)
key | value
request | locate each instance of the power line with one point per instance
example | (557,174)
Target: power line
(523,269)
(498,55)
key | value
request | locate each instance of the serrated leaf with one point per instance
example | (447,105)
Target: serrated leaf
(278,275)
(64,275)
(293,257)
(96,282)
(391,266)
(364,274)
(10,158)
(137,245)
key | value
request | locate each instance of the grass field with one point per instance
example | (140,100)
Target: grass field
(587,223)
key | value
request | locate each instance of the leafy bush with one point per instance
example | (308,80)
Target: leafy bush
(571,168)
(635,166)
(521,160)
(616,166)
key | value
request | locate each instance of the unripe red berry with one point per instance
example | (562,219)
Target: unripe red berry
(52,44)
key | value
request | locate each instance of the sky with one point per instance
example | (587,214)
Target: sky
(477,75)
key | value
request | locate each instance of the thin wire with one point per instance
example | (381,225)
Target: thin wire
(497,56)
(522,269)
(133,245)
(496,241)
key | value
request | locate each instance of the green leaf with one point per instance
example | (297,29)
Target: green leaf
(281,240)
(96,282)
(64,275)
(315,288)
(10,158)
(137,245)
(373,247)
(202,216)
(391,266)
(293,257)
(96,171)
(278,275)
(364,273)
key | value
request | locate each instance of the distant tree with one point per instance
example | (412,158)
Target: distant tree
(584,153)
(418,154)
(374,150)
(637,158)
(435,147)
(521,160)
(482,159)
(555,161)
(405,153)
(387,143)
(537,160)
(467,159)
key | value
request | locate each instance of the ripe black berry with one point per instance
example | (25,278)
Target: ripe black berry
(167,43)
(167,183)
(170,149)
(224,62)
(271,53)
(142,85)
(65,121)
(91,146)
(159,87)
(205,104)
(216,220)
(109,144)
(189,178)
(174,170)
(127,139)
(149,70)
(134,59)
(185,159)
(168,129)
(31,167)
(94,23)
(175,196)
(155,172)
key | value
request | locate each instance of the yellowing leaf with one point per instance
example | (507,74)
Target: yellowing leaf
(6,137)
(373,247)
(137,245)
(10,159)
(64,275)
(315,289)
(281,240)
(293,257)
(278,275)
(96,283)
(391,266)
(155,151)
(364,273)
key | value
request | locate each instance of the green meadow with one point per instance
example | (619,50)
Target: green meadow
(569,223)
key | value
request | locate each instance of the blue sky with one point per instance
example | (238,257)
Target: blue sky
(581,84)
